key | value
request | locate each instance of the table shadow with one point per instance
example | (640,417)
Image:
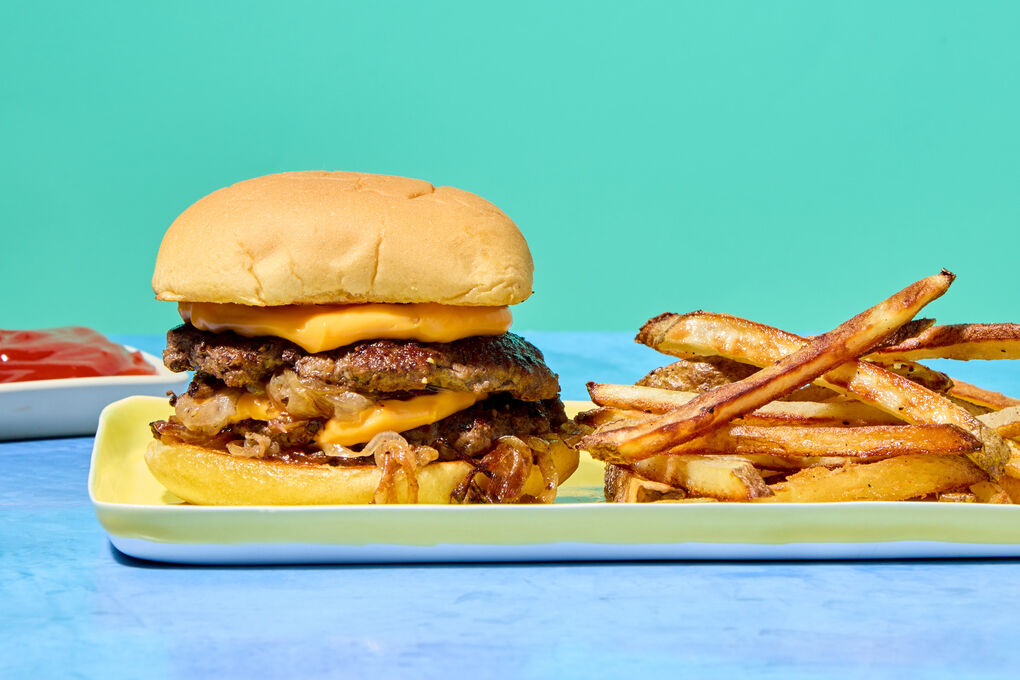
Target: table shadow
(134,562)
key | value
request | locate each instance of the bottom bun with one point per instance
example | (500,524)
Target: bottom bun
(207,477)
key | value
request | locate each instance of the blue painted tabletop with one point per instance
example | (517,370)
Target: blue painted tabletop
(71,606)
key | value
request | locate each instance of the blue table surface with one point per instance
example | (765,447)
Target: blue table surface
(71,606)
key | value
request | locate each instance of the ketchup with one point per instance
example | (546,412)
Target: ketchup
(70,352)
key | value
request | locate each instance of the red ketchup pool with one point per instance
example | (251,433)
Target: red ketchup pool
(70,352)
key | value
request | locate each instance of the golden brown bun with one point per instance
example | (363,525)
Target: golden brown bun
(207,477)
(338,237)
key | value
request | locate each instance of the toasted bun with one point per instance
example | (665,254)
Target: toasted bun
(207,477)
(339,237)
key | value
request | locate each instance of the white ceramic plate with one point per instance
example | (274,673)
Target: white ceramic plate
(71,406)
(145,520)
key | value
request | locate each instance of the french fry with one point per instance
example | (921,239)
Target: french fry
(818,414)
(865,443)
(603,415)
(723,477)
(1006,422)
(638,397)
(967,406)
(935,381)
(787,463)
(761,345)
(1011,485)
(811,393)
(956,497)
(1010,431)
(895,479)
(697,375)
(705,373)
(812,360)
(654,400)
(996,401)
(905,332)
(624,486)
(960,341)
(1012,467)
(819,430)
(990,492)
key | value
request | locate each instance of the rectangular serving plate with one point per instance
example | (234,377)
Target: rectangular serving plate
(145,521)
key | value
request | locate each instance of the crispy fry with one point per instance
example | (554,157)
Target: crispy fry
(956,497)
(638,397)
(813,359)
(811,393)
(654,400)
(1010,431)
(935,381)
(603,415)
(1012,467)
(1011,485)
(967,406)
(996,401)
(905,332)
(723,477)
(813,414)
(865,443)
(1006,422)
(960,341)
(705,373)
(894,479)
(786,463)
(785,428)
(750,342)
(625,486)
(697,375)
(990,492)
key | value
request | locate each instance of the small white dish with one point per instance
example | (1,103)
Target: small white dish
(71,406)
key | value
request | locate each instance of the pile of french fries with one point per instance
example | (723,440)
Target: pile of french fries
(753,413)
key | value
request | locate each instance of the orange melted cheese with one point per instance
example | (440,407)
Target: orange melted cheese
(318,328)
(395,415)
(254,407)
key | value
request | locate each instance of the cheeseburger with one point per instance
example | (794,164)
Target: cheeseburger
(348,334)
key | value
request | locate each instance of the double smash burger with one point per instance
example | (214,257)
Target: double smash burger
(348,334)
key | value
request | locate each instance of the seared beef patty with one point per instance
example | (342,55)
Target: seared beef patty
(470,432)
(485,364)
(474,430)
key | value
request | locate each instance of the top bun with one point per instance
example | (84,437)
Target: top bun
(338,237)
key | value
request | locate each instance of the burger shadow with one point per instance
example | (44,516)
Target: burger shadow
(128,561)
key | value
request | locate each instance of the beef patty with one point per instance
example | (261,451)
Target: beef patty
(484,364)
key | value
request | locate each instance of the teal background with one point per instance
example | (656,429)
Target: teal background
(789,161)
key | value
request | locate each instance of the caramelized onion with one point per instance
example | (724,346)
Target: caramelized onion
(395,456)
(255,446)
(507,467)
(314,399)
(536,443)
(339,451)
(502,474)
(550,476)
(207,416)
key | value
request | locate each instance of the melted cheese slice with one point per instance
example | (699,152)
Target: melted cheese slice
(254,407)
(318,328)
(395,415)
